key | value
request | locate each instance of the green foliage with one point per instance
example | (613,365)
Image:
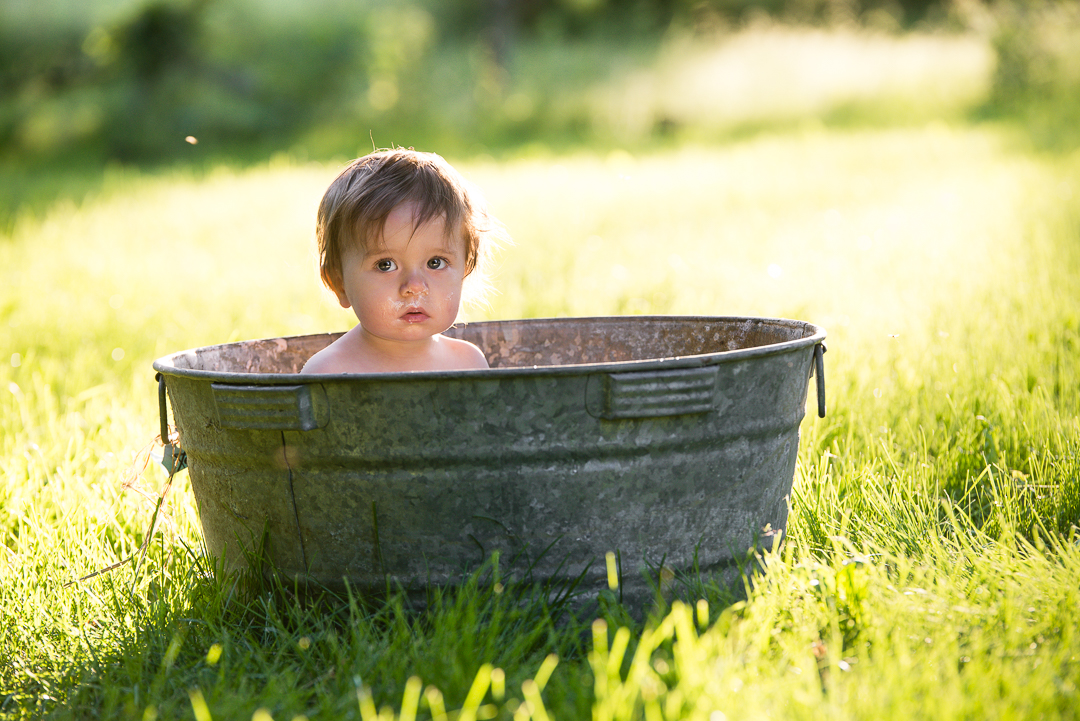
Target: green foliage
(134,85)
(131,81)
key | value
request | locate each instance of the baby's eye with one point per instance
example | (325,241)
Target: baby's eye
(385,265)
(437,263)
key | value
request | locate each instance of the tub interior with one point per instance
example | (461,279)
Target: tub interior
(534,342)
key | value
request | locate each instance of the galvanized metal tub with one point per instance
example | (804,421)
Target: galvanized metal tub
(668,440)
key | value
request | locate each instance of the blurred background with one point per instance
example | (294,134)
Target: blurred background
(92,82)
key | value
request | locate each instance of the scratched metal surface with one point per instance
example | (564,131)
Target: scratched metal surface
(660,438)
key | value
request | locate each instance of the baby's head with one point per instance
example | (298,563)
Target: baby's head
(355,207)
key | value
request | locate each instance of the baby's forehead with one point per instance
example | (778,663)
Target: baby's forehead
(412,215)
(401,230)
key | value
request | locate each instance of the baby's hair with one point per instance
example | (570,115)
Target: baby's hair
(354,208)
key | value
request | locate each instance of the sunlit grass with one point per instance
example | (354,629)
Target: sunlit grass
(915,581)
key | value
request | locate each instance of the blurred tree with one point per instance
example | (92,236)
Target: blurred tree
(156,49)
(164,34)
(502,30)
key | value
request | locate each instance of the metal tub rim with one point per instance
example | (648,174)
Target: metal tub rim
(815,335)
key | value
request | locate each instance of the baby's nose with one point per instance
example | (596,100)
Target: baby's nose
(415,284)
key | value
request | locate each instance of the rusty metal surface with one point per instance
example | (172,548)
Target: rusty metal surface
(661,438)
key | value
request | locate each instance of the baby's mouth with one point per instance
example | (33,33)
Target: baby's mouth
(414,315)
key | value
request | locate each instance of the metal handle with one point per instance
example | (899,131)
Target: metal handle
(162,399)
(174,459)
(819,371)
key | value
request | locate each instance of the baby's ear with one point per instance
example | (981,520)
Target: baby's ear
(334,281)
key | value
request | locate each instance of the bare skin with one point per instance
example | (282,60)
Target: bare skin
(405,291)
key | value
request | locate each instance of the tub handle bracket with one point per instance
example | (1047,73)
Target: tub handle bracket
(652,394)
(260,407)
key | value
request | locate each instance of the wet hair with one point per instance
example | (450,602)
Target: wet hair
(354,208)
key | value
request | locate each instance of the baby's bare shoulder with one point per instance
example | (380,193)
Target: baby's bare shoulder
(330,359)
(465,355)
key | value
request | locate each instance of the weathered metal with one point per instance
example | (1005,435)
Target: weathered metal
(669,440)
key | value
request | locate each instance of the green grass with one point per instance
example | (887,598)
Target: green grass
(931,567)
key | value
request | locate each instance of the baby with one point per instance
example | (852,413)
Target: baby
(398,232)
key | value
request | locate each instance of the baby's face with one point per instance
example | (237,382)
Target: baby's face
(407,287)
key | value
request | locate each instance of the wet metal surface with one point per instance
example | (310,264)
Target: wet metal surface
(659,438)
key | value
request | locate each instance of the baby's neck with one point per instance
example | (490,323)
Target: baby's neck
(381,355)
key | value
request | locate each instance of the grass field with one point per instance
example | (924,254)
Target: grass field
(931,567)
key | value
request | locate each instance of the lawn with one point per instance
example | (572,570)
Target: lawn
(931,567)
